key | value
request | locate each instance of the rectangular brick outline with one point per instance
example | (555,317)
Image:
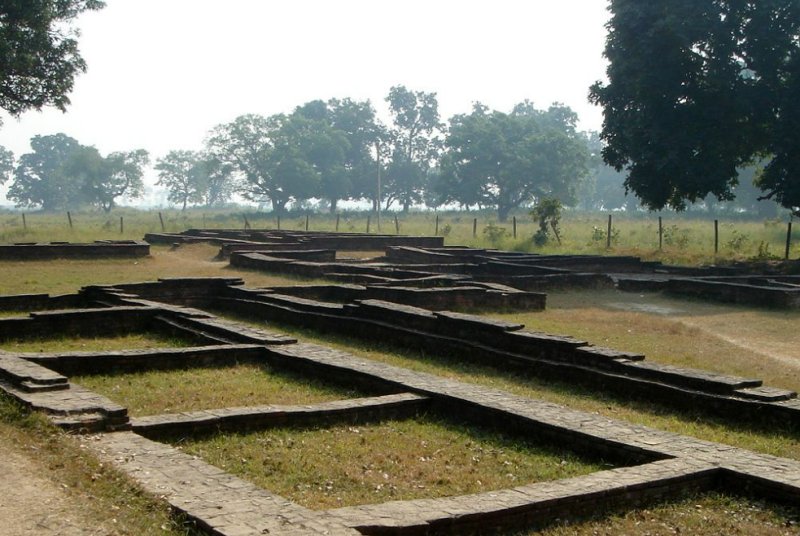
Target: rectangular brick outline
(776,477)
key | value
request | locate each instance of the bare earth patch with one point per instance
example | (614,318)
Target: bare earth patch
(31,505)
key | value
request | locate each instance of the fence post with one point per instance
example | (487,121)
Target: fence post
(69,218)
(514,227)
(24,223)
(121,226)
(161,219)
(716,237)
(279,222)
(474,227)
(436,230)
(396,225)
(660,234)
(788,238)
(608,233)
(368,222)
(306,222)
(337,223)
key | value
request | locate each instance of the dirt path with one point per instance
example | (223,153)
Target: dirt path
(32,505)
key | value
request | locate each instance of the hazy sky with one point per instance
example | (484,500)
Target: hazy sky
(164,72)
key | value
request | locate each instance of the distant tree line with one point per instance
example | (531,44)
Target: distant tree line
(700,107)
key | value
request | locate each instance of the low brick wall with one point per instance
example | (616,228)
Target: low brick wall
(63,250)
(734,292)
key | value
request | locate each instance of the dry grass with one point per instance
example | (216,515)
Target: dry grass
(66,276)
(156,392)
(396,460)
(736,340)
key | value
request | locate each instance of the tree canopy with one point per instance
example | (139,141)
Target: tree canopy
(413,143)
(61,173)
(39,56)
(195,177)
(502,159)
(698,88)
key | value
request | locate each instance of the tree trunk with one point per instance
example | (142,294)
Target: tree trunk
(334,202)
(502,213)
(278,206)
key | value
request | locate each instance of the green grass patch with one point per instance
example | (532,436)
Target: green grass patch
(396,460)
(156,392)
(766,438)
(709,514)
(134,341)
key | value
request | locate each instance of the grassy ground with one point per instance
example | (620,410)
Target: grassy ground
(397,460)
(735,340)
(684,239)
(768,439)
(66,276)
(135,341)
(155,392)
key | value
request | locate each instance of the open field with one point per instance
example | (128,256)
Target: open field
(685,239)
(737,340)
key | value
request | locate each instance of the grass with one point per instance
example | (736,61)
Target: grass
(66,276)
(109,501)
(156,392)
(767,438)
(396,460)
(686,240)
(754,343)
(710,514)
(730,339)
(134,341)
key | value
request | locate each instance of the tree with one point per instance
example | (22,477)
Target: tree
(193,177)
(179,173)
(264,152)
(324,147)
(103,180)
(61,173)
(507,159)
(6,164)
(697,89)
(414,143)
(41,177)
(363,132)
(39,56)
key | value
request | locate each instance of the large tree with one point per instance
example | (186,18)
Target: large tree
(39,56)
(414,144)
(363,131)
(60,173)
(105,179)
(502,159)
(194,177)
(6,164)
(265,153)
(324,147)
(698,88)
(41,178)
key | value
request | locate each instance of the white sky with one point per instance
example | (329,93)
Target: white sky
(162,73)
